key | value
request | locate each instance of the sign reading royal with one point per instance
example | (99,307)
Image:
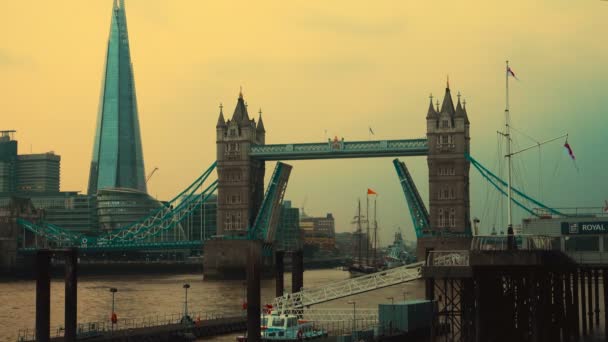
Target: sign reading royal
(577,228)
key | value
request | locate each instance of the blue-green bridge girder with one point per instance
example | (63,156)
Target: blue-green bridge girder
(336,149)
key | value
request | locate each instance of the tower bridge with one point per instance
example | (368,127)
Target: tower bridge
(242,152)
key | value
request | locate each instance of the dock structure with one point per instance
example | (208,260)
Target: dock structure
(522,290)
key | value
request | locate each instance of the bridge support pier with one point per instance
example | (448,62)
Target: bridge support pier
(583,302)
(71,294)
(279,271)
(597,297)
(605,288)
(576,295)
(43,296)
(254,307)
(297,273)
(590,297)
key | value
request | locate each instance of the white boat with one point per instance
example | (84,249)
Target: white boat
(287,327)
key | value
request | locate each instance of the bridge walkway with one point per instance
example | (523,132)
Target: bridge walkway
(307,297)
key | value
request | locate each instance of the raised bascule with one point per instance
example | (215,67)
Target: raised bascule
(242,152)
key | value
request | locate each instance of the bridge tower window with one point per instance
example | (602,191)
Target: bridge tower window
(452,217)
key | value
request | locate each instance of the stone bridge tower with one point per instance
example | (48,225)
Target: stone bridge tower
(240,178)
(449,208)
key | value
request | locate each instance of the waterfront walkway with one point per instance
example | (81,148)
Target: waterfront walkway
(167,328)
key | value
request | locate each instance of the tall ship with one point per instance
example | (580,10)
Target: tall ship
(364,259)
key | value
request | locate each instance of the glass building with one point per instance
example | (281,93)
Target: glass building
(118,160)
(289,235)
(117,208)
(202,223)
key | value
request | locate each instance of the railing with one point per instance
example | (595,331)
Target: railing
(520,242)
(587,257)
(335,315)
(448,258)
(102,327)
(575,211)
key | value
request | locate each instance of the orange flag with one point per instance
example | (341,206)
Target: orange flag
(371,192)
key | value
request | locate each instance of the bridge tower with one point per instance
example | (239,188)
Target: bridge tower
(449,209)
(240,178)
(240,192)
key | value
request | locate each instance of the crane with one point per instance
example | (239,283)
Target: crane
(150,175)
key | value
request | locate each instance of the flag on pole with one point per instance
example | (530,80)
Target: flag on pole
(569,150)
(510,72)
(606,207)
(371,192)
(371,131)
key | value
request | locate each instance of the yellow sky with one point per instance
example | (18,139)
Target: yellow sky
(312,66)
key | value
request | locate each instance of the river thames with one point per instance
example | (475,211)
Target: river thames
(149,295)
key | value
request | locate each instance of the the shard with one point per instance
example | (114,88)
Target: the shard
(118,160)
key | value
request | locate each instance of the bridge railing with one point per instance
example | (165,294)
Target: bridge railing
(448,258)
(521,242)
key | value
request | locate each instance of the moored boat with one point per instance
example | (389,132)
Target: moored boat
(287,327)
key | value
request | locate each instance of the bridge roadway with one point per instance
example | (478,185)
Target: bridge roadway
(341,149)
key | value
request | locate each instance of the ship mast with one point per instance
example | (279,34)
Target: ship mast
(367,244)
(359,229)
(507,135)
(375,231)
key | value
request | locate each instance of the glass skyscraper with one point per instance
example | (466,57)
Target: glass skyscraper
(118,160)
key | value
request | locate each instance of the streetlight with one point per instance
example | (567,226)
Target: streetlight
(186,287)
(113,317)
(354,316)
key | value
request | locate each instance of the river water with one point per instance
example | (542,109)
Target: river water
(141,296)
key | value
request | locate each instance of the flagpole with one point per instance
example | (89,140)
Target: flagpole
(509,167)
(367,238)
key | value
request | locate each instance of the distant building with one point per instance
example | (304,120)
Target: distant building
(8,162)
(38,172)
(319,231)
(119,207)
(68,209)
(202,223)
(289,234)
(348,244)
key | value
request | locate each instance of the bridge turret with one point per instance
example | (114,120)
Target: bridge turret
(260,130)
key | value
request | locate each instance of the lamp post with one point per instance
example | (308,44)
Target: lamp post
(354,316)
(113,290)
(186,287)
(390,323)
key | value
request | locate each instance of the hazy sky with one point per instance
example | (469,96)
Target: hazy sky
(312,66)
